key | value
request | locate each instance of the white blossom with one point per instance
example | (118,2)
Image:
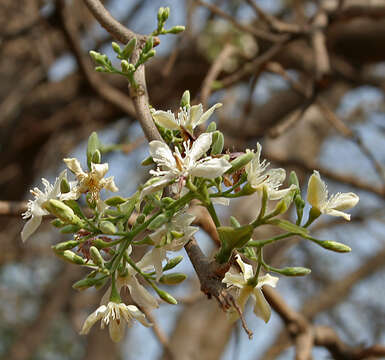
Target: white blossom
(115,315)
(138,292)
(258,176)
(246,290)
(165,241)
(92,181)
(175,166)
(318,198)
(35,211)
(189,117)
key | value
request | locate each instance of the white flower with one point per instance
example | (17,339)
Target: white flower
(272,179)
(245,290)
(114,315)
(188,117)
(92,181)
(173,166)
(138,292)
(317,196)
(165,241)
(35,211)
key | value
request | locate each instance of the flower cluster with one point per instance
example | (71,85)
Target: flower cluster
(188,168)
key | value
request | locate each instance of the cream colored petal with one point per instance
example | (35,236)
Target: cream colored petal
(211,169)
(99,170)
(267,280)
(208,113)
(261,307)
(200,146)
(140,295)
(234,279)
(196,112)
(337,213)
(109,184)
(92,319)
(161,153)
(30,227)
(154,187)
(165,119)
(280,194)
(247,269)
(74,165)
(138,315)
(317,193)
(117,329)
(343,201)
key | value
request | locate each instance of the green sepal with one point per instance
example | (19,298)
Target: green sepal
(232,238)
(290,227)
(173,278)
(92,146)
(148,161)
(70,229)
(89,282)
(240,162)
(67,245)
(173,262)
(64,186)
(218,142)
(185,100)
(128,49)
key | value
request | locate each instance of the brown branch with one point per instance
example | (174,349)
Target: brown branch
(12,208)
(247,28)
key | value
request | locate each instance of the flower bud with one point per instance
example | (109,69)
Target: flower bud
(165,296)
(67,245)
(218,142)
(57,223)
(125,65)
(96,257)
(176,29)
(211,127)
(173,262)
(173,279)
(62,211)
(334,246)
(107,227)
(185,100)
(292,271)
(116,47)
(70,229)
(71,257)
(100,244)
(115,200)
(240,162)
(87,283)
(149,45)
(64,186)
(167,201)
(293,179)
(149,55)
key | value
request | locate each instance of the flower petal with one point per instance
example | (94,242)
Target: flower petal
(267,280)
(247,269)
(317,192)
(200,146)
(210,169)
(117,329)
(261,307)
(196,112)
(92,319)
(30,227)
(234,279)
(343,201)
(137,315)
(162,154)
(140,295)
(109,184)
(208,113)
(165,119)
(74,165)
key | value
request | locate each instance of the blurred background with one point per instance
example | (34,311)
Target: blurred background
(304,78)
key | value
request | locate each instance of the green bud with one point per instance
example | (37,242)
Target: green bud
(100,244)
(92,145)
(75,207)
(176,29)
(64,186)
(107,227)
(96,157)
(101,69)
(240,162)
(290,227)
(211,127)
(173,279)
(57,223)
(67,245)
(87,283)
(95,56)
(125,65)
(62,211)
(70,229)
(293,179)
(292,271)
(115,200)
(234,222)
(96,257)
(166,296)
(165,14)
(160,14)
(185,100)
(176,234)
(246,190)
(71,257)
(173,262)
(116,47)
(158,222)
(129,48)
(218,142)
(148,161)
(149,55)
(128,207)
(334,246)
